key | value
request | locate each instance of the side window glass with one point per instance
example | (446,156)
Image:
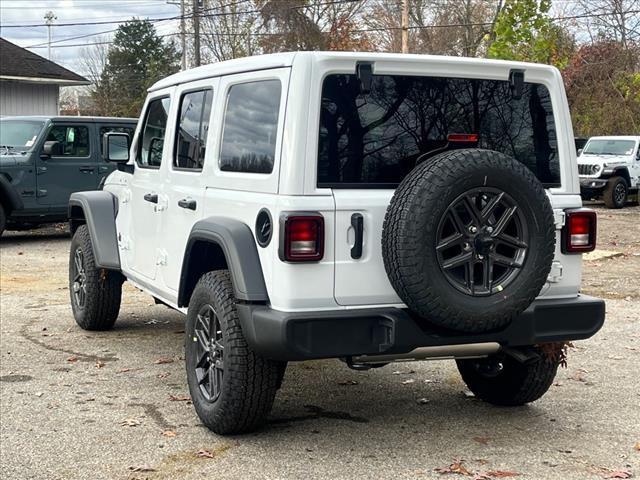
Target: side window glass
(193,128)
(73,139)
(151,142)
(106,129)
(250,127)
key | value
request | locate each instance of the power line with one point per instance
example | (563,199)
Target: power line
(178,17)
(362,30)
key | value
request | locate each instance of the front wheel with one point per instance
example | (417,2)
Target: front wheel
(232,387)
(615,193)
(502,380)
(95,292)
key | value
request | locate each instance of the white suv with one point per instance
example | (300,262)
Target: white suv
(368,207)
(609,167)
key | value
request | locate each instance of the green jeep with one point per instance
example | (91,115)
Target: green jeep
(43,160)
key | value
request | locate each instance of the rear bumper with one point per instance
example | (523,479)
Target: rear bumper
(344,333)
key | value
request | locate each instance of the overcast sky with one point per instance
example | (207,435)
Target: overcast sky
(27,12)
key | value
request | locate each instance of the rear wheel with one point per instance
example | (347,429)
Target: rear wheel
(615,193)
(95,292)
(231,386)
(3,219)
(502,380)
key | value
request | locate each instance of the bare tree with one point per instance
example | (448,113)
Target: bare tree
(229,29)
(93,60)
(616,20)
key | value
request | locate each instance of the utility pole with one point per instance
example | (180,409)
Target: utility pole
(183,32)
(49,18)
(196,32)
(405,26)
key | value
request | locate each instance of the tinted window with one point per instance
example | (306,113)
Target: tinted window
(155,126)
(118,129)
(251,127)
(74,140)
(193,127)
(378,138)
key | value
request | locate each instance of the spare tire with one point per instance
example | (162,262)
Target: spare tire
(468,239)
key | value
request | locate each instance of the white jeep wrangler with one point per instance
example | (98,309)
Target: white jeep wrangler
(368,207)
(609,167)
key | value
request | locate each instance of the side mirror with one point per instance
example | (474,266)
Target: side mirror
(579,151)
(50,149)
(115,147)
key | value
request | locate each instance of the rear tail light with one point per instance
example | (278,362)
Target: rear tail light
(579,233)
(302,238)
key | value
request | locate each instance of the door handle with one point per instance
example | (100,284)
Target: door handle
(357,222)
(187,203)
(103,169)
(87,169)
(151,197)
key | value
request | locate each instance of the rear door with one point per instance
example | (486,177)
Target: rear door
(74,170)
(369,143)
(184,191)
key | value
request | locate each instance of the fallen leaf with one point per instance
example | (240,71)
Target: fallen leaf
(72,359)
(407,382)
(204,454)
(422,401)
(142,468)
(179,398)
(163,375)
(618,474)
(169,433)
(130,422)
(123,370)
(456,467)
(637,447)
(39,394)
(99,364)
(482,440)
(501,474)
(163,360)
(579,374)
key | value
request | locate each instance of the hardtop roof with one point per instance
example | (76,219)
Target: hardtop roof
(72,119)
(286,59)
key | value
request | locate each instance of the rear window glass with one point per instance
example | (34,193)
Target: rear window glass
(376,139)
(251,127)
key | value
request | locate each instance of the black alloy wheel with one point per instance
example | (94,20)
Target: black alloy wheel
(209,369)
(79,284)
(482,241)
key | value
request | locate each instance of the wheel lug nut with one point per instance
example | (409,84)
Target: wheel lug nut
(489,229)
(473,229)
(466,247)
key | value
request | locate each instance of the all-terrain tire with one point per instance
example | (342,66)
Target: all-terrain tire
(615,193)
(248,381)
(410,235)
(3,219)
(515,384)
(95,292)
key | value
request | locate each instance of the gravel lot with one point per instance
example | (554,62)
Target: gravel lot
(77,404)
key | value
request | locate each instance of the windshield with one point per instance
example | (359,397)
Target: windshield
(609,147)
(19,134)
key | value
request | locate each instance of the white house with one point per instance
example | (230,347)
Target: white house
(29,83)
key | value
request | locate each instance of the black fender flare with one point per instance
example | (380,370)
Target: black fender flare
(236,242)
(98,210)
(619,171)
(9,197)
